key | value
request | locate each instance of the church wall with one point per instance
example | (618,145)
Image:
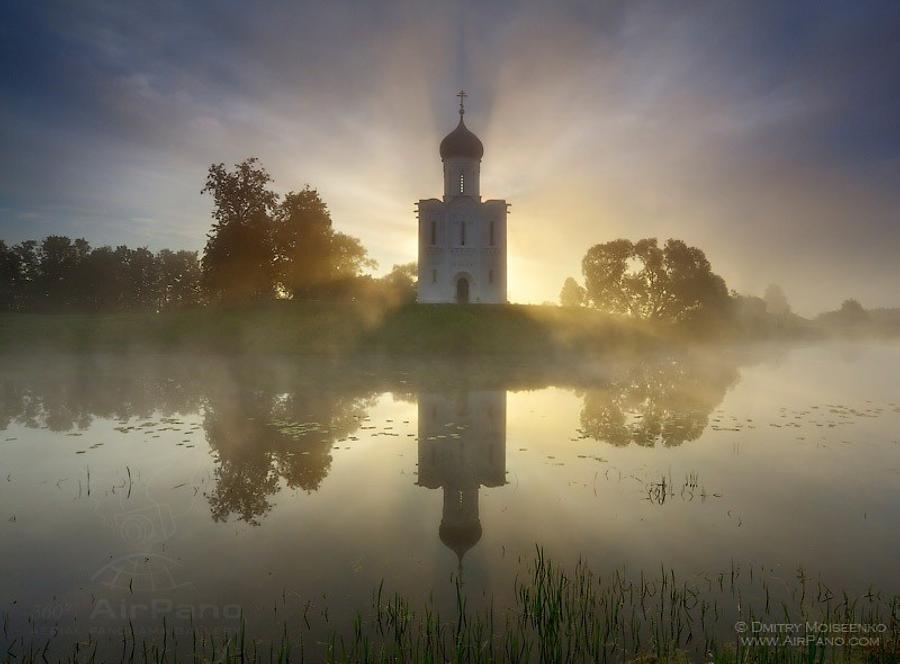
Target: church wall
(483,264)
(471,177)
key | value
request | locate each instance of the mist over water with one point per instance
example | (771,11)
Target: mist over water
(143,486)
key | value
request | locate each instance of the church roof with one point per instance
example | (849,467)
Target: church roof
(461,143)
(460,538)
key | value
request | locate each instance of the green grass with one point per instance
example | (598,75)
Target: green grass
(333,329)
(559,615)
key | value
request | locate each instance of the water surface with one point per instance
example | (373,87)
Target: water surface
(150,486)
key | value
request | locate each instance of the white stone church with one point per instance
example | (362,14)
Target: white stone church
(462,239)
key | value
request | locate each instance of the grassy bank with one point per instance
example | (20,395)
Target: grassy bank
(313,328)
(558,615)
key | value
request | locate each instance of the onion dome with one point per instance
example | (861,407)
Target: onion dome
(461,143)
(460,538)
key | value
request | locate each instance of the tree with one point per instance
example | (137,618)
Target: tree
(179,279)
(103,280)
(12,278)
(639,279)
(60,274)
(141,279)
(852,316)
(851,313)
(776,301)
(59,278)
(9,276)
(400,283)
(238,262)
(311,258)
(572,294)
(852,308)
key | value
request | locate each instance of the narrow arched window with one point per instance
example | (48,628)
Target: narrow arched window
(492,233)
(490,276)
(434,276)
(462,182)
(433,233)
(462,233)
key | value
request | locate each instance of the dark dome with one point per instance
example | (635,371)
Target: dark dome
(460,538)
(461,143)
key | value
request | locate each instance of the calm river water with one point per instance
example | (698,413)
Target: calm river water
(159,486)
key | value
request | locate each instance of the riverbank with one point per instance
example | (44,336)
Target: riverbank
(343,329)
(332,329)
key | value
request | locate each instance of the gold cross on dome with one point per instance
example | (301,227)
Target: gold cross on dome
(462,97)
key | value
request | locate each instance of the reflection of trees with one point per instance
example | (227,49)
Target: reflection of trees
(665,400)
(262,438)
(65,392)
(266,426)
(271,424)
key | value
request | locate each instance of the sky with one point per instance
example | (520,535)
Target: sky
(765,133)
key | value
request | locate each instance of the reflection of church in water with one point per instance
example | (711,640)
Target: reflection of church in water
(462,447)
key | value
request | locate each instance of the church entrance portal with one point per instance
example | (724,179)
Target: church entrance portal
(462,291)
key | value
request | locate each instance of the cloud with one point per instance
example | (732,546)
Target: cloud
(765,133)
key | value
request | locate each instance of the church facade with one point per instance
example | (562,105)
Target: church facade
(462,239)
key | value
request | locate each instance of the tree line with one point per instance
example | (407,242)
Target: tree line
(61,274)
(675,284)
(260,246)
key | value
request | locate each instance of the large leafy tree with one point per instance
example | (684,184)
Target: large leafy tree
(641,279)
(238,262)
(312,258)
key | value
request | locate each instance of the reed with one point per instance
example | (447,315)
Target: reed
(559,615)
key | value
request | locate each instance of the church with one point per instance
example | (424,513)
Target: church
(462,239)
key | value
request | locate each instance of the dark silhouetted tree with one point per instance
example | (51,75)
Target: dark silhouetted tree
(179,279)
(311,258)
(142,279)
(640,279)
(239,259)
(60,274)
(18,265)
(58,284)
(572,294)
(103,280)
